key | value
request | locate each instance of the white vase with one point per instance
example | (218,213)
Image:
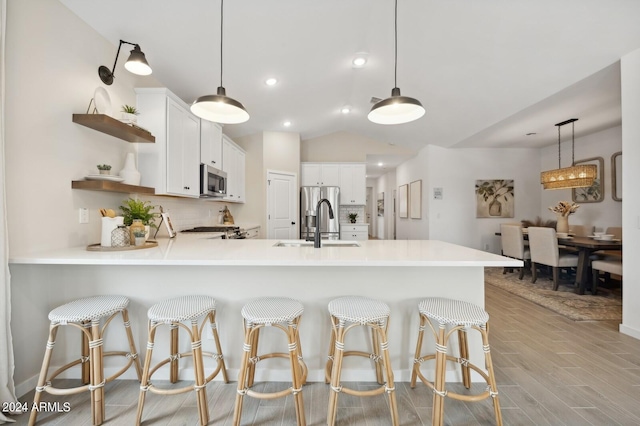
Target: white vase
(130,174)
(128,118)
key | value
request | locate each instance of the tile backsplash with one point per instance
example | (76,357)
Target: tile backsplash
(346,210)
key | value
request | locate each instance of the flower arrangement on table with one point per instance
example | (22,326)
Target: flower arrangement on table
(564,208)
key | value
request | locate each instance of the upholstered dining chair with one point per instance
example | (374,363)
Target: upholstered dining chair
(543,245)
(581,230)
(513,244)
(616,231)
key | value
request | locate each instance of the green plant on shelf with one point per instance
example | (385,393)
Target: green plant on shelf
(353,217)
(130,109)
(103,167)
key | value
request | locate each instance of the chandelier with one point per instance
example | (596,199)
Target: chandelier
(576,176)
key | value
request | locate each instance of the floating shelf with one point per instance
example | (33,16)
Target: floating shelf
(105,185)
(109,125)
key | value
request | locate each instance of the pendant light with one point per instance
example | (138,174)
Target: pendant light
(219,107)
(397,109)
(569,177)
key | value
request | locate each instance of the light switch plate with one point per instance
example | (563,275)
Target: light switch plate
(83,215)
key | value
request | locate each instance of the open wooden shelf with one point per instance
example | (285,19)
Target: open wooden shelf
(105,185)
(109,125)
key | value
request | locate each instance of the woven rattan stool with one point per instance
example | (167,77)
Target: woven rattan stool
(461,316)
(174,312)
(347,313)
(86,315)
(285,314)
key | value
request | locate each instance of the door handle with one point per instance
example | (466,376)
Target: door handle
(293,223)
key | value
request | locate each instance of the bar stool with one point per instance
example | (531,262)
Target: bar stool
(347,313)
(285,314)
(174,312)
(86,314)
(462,316)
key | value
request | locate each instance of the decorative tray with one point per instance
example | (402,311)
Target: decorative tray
(98,247)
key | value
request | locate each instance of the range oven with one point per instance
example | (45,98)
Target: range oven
(230,232)
(213,182)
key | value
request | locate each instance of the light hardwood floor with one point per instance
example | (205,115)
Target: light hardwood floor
(550,371)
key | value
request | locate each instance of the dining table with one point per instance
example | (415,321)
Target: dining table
(586,246)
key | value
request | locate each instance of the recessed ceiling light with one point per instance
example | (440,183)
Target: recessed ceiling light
(345,110)
(360,60)
(380,164)
(271,81)
(286,124)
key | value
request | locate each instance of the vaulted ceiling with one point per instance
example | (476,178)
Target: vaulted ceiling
(486,71)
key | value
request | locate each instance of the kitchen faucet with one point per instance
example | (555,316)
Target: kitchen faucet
(316,239)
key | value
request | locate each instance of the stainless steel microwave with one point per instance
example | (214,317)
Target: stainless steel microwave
(213,182)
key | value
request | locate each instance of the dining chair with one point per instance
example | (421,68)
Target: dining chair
(513,244)
(616,231)
(609,266)
(581,230)
(543,245)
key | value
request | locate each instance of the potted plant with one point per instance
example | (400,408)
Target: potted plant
(129,114)
(353,217)
(104,169)
(137,209)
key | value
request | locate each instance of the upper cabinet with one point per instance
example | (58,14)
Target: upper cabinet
(320,174)
(233,163)
(171,165)
(353,184)
(211,144)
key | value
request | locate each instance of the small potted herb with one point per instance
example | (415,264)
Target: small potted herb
(104,169)
(129,114)
(353,217)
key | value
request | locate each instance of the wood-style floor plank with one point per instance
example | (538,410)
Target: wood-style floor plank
(550,371)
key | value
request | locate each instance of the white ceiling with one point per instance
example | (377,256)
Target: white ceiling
(486,71)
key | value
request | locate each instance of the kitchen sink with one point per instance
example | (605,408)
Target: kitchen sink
(325,243)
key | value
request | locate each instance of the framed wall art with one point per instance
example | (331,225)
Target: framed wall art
(415,199)
(380,203)
(616,176)
(494,198)
(403,201)
(595,192)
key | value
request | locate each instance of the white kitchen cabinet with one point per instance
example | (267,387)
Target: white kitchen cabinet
(253,232)
(211,143)
(354,231)
(233,163)
(171,165)
(320,174)
(353,184)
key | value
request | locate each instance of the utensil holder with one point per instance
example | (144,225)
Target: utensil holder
(108,225)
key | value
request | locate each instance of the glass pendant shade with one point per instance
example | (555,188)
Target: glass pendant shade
(137,62)
(396,110)
(576,176)
(220,108)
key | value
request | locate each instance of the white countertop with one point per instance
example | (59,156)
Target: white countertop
(190,249)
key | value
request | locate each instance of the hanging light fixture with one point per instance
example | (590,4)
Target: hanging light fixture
(569,177)
(219,107)
(397,109)
(136,64)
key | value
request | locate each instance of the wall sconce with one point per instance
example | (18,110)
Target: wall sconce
(136,64)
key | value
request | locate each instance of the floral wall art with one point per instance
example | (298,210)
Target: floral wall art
(494,198)
(595,192)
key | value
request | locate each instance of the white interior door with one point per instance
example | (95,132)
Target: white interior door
(282,205)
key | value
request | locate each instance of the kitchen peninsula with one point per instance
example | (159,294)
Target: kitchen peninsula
(236,271)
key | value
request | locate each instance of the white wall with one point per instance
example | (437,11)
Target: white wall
(346,147)
(601,144)
(630,69)
(384,226)
(410,171)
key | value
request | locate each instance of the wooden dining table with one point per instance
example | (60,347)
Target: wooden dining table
(586,246)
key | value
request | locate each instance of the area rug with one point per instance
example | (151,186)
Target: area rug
(607,305)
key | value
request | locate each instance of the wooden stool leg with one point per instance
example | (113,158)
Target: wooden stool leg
(492,379)
(144,382)
(464,355)
(335,372)
(390,386)
(132,344)
(85,368)
(242,376)
(303,366)
(173,350)
(216,338)
(439,383)
(42,379)
(252,355)
(375,343)
(200,386)
(97,377)
(296,372)
(418,353)
(332,349)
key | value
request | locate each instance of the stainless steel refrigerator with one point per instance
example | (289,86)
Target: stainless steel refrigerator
(309,197)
